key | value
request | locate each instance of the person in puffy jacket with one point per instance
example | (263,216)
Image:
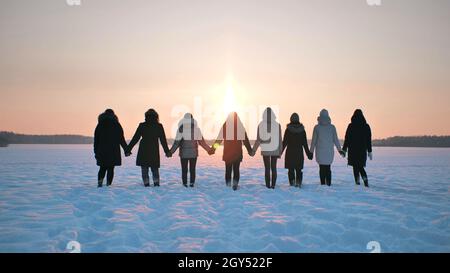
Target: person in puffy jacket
(323,141)
(187,140)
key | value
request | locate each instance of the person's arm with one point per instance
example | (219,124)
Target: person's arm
(257,142)
(123,143)
(369,139)
(137,136)
(96,140)
(314,140)
(205,145)
(305,145)
(285,140)
(346,139)
(247,144)
(163,140)
(337,143)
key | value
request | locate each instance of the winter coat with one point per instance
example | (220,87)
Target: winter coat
(358,141)
(233,135)
(269,136)
(294,141)
(188,137)
(108,138)
(150,134)
(323,140)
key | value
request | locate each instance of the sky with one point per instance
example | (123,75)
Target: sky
(61,65)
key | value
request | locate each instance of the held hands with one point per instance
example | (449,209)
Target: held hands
(211,151)
(169,154)
(342,153)
(310,156)
(370,156)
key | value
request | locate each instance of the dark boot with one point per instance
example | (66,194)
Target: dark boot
(191,185)
(268,183)
(299,180)
(185,184)
(228,183)
(366,181)
(235,185)
(146,182)
(291,182)
(357,179)
(100,183)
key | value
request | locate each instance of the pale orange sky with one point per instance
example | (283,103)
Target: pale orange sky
(61,65)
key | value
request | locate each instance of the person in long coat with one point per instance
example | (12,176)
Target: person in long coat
(233,136)
(108,138)
(269,138)
(323,140)
(151,134)
(358,142)
(295,142)
(188,138)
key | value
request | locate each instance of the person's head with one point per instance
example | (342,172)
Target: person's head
(108,114)
(295,119)
(151,116)
(324,117)
(358,117)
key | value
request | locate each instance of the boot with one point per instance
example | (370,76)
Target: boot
(185,184)
(291,182)
(366,181)
(235,185)
(100,183)
(299,180)
(357,181)
(191,185)
(156,182)
(228,183)
(268,184)
(146,182)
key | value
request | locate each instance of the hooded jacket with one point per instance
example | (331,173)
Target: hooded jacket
(295,141)
(324,138)
(188,137)
(269,135)
(108,138)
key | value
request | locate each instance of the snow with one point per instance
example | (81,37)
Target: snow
(48,197)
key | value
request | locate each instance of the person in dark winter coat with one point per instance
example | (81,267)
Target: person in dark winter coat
(108,138)
(358,142)
(150,133)
(294,141)
(188,138)
(269,138)
(233,135)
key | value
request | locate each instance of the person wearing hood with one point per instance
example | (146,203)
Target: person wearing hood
(358,142)
(108,138)
(233,136)
(295,141)
(323,140)
(188,137)
(150,133)
(269,138)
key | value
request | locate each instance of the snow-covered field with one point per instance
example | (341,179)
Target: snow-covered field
(48,197)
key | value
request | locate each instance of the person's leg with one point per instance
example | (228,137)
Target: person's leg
(291,176)
(364,176)
(145,176)
(184,170)
(110,176)
(273,166)
(266,160)
(356,174)
(228,168)
(101,176)
(322,174)
(236,174)
(328,175)
(155,176)
(299,180)
(192,166)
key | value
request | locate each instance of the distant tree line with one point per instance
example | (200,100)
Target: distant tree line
(397,141)
(13,138)
(413,141)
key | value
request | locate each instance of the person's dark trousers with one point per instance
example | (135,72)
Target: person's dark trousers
(188,164)
(295,177)
(357,171)
(325,174)
(146,178)
(109,172)
(232,169)
(270,165)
